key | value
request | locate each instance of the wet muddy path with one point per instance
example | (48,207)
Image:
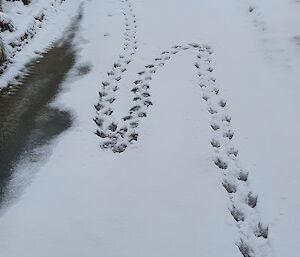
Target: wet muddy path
(27,121)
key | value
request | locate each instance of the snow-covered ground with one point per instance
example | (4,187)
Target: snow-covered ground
(35,28)
(214,170)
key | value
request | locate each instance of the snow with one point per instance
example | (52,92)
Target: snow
(165,194)
(43,22)
(6,21)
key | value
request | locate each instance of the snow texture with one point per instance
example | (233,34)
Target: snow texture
(185,140)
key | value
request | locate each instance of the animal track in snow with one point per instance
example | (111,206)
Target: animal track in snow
(18,43)
(235,179)
(110,86)
(243,202)
(117,136)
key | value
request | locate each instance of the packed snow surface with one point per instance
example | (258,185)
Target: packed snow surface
(185,139)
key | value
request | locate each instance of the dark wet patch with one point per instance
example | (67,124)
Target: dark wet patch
(50,123)
(26,119)
(83,69)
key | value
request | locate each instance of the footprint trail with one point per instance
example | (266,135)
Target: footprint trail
(107,95)
(117,136)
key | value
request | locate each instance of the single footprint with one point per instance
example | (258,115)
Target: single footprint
(133,137)
(149,66)
(137,98)
(135,90)
(111,100)
(145,86)
(262,230)
(229,186)
(98,107)
(99,122)
(222,103)
(252,200)
(100,134)
(233,151)
(142,114)
(105,83)
(120,148)
(216,90)
(176,46)
(129,117)
(138,81)
(215,143)
(195,45)
(118,78)
(226,118)
(113,127)
(108,112)
(147,103)
(135,108)
(205,97)
(220,163)
(215,126)
(243,176)
(229,134)
(212,111)
(102,94)
(146,94)
(238,215)
(134,124)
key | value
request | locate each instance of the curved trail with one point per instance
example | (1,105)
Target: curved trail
(117,136)
(109,87)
